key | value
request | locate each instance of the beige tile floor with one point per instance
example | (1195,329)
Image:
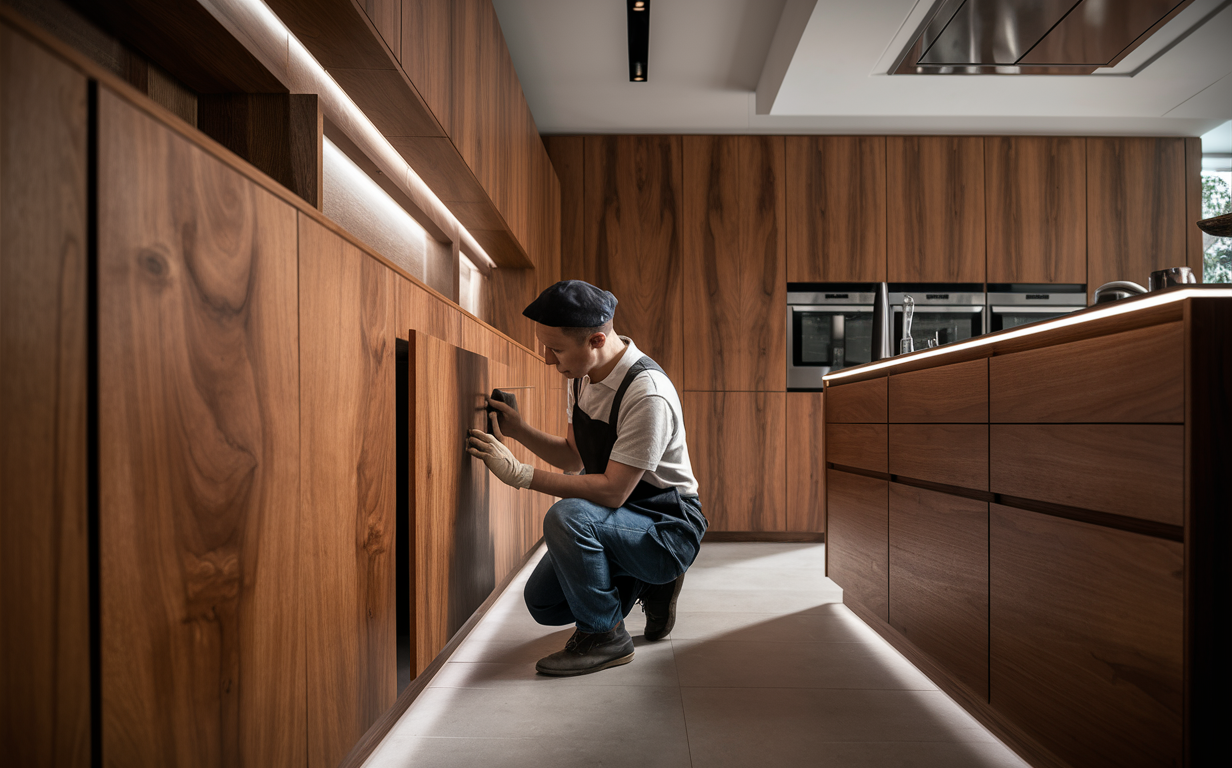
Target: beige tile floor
(766,667)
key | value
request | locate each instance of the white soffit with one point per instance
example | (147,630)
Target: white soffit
(715,64)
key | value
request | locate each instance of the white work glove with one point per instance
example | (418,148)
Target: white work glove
(499,458)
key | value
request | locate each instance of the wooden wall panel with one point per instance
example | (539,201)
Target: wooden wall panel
(935,209)
(1086,638)
(427,55)
(454,560)
(1036,209)
(737,445)
(836,208)
(633,240)
(1193,205)
(566,153)
(1135,209)
(347,314)
(857,538)
(734,277)
(806,469)
(202,631)
(44,570)
(939,579)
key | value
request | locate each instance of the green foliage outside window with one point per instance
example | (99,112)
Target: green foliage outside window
(1216,201)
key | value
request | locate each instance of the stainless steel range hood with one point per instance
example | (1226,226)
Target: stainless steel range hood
(1042,37)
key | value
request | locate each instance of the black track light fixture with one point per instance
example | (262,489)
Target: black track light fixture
(639,39)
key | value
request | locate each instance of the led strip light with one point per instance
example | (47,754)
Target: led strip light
(1110,310)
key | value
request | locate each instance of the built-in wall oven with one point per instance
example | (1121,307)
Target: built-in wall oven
(829,327)
(943,314)
(1012,305)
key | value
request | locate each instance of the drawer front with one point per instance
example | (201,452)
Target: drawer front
(1135,470)
(863,402)
(862,446)
(1132,377)
(939,579)
(1086,638)
(951,394)
(953,454)
(857,545)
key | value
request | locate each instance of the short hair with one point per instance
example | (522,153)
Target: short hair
(580,334)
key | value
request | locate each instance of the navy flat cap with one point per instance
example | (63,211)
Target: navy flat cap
(572,304)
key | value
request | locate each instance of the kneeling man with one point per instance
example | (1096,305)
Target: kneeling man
(628,527)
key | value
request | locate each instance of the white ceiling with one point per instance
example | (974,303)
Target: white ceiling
(821,68)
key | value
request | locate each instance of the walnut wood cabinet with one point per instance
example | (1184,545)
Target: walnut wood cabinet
(806,473)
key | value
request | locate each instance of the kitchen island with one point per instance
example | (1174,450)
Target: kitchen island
(1038,518)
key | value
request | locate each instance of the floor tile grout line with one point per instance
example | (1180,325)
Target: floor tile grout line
(684,715)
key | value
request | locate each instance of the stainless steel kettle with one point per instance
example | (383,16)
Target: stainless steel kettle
(1117,289)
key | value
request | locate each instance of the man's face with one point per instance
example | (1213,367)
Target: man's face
(574,359)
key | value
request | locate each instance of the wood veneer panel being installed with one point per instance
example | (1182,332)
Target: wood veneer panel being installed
(347,315)
(199,457)
(44,569)
(633,240)
(836,209)
(1036,209)
(939,579)
(737,445)
(1086,638)
(857,538)
(454,558)
(733,264)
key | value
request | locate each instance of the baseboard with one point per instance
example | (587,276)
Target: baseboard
(1004,729)
(784,536)
(375,734)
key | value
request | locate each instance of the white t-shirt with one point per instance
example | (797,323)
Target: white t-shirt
(650,429)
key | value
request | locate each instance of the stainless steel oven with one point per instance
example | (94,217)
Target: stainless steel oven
(1012,305)
(944,314)
(829,327)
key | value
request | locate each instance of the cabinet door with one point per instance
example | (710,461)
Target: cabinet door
(1086,638)
(1135,209)
(199,469)
(736,445)
(939,579)
(633,241)
(347,309)
(935,210)
(44,546)
(806,469)
(836,209)
(857,538)
(735,289)
(1037,209)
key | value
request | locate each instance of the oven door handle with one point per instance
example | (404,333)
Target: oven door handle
(834,309)
(1035,308)
(924,309)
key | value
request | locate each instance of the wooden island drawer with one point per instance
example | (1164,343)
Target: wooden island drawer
(1135,470)
(952,454)
(950,394)
(862,446)
(1131,377)
(857,538)
(862,402)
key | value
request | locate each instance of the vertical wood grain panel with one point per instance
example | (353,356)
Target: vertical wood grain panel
(939,579)
(427,55)
(737,445)
(347,310)
(1193,205)
(566,153)
(385,15)
(734,282)
(1086,638)
(454,561)
(1036,209)
(836,208)
(857,538)
(1135,208)
(806,469)
(935,209)
(202,632)
(44,570)
(633,247)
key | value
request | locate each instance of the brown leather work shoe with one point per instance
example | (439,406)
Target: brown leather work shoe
(586,653)
(659,605)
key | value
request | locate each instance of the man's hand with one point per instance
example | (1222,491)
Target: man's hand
(499,459)
(510,420)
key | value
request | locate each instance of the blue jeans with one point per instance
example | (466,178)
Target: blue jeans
(598,562)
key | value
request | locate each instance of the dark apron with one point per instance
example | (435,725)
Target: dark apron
(676,524)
